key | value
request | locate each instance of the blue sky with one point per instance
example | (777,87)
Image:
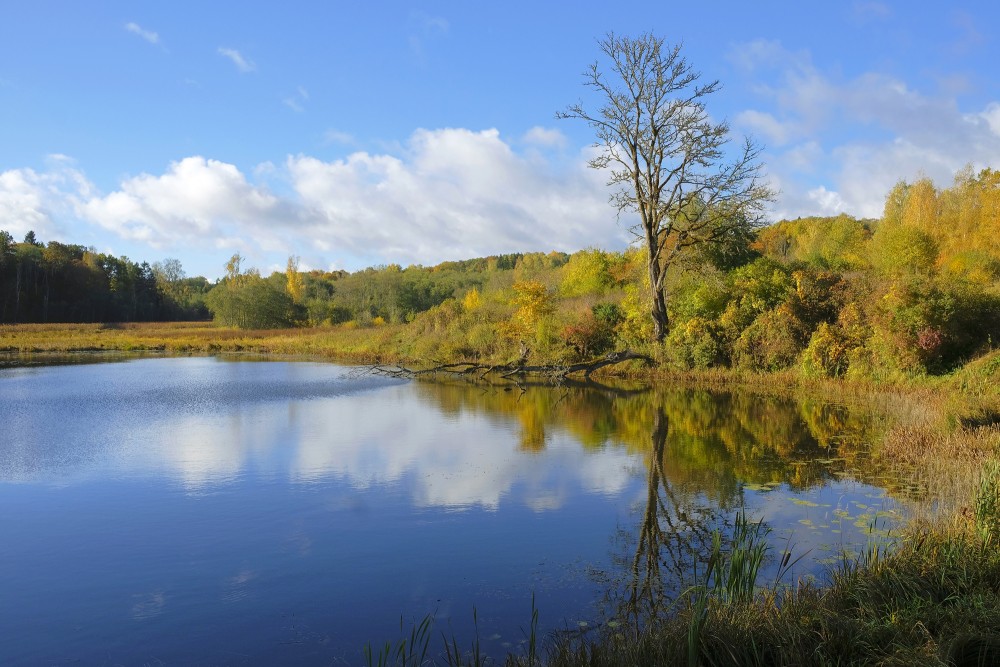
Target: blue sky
(354,134)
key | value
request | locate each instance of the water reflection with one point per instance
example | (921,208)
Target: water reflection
(205,431)
(181,489)
(798,465)
(674,530)
(719,442)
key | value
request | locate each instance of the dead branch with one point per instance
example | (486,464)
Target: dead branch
(555,373)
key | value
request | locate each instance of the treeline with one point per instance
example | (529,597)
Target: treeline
(374,296)
(55,282)
(915,292)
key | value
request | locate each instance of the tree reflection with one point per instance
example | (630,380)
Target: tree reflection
(701,452)
(718,441)
(673,532)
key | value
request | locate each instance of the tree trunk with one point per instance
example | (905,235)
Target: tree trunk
(659,311)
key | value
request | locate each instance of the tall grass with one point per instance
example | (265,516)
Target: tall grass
(934,599)
(987,512)
(406,652)
(413,651)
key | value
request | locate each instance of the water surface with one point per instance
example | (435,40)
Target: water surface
(202,511)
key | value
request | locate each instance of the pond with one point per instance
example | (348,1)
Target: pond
(220,512)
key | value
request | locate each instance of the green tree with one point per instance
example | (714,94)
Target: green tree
(245,300)
(666,158)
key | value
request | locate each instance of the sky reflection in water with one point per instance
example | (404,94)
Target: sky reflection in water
(262,513)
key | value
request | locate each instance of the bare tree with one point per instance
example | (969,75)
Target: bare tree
(667,159)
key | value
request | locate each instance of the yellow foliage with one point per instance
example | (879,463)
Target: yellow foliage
(921,208)
(472,301)
(533,302)
(293,280)
(587,272)
(637,325)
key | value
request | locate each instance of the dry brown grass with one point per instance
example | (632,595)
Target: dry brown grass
(343,343)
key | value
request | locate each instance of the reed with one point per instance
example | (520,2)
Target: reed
(406,652)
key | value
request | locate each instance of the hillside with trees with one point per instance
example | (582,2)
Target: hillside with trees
(916,292)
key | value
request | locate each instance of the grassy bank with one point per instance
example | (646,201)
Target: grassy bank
(341,343)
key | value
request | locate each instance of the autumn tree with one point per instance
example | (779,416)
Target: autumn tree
(666,158)
(293,279)
(246,300)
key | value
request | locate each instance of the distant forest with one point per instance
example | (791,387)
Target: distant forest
(55,282)
(916,291)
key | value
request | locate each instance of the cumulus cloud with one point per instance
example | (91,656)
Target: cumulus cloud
(446,194)
(197,199)
(148,35)
(453,193)
(545,137)
(242,64)
(41,201)
(839,145)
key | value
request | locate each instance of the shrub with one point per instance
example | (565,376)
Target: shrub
(589,336)
(695,344)
(636,326)
(827,354)
(772,342)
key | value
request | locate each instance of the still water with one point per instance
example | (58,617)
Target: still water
(218,512)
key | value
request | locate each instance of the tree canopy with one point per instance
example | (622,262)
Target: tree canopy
(666,158)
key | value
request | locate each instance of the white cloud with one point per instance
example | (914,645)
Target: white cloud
(849,141)
(992,117)
(296,102)
(545,137)
(242,64)
(40,201)
(426,29)
(332,136)
(830,203)
(435,24)
(446,194)
(148,35)
(761,123)
(197,200)
(454,193)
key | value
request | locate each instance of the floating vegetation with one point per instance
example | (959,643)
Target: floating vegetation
(761,487)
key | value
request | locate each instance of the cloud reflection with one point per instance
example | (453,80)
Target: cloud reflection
(271,428)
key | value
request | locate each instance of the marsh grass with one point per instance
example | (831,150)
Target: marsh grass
(413,651)
(406,652)
(362,345)
(933,601)
(987,512)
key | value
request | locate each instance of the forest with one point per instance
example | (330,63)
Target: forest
(915,292)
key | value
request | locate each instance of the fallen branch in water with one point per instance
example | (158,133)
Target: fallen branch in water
(554,372)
